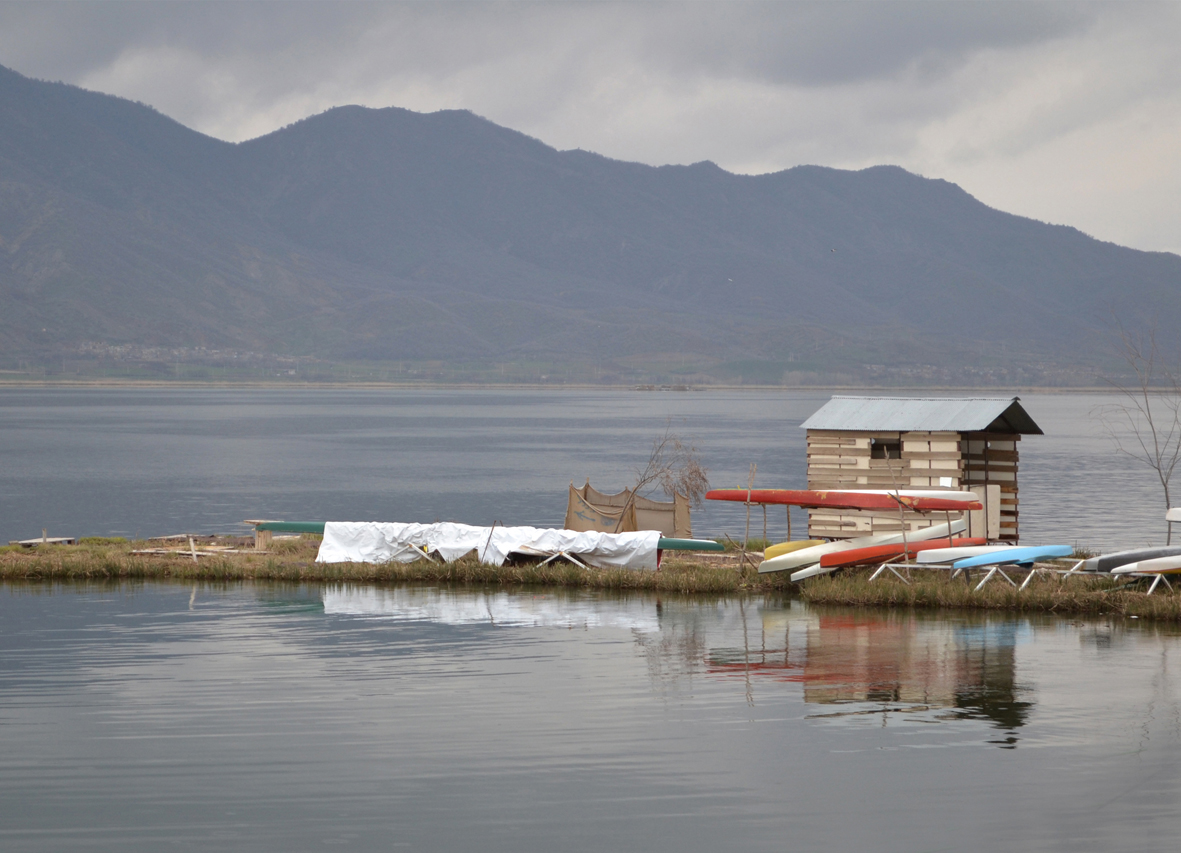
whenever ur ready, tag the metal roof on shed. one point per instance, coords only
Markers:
(924, 414)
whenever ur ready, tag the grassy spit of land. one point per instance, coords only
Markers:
(293, 560)
(936, 589)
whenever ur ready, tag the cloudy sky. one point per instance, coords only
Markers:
(1066, 112)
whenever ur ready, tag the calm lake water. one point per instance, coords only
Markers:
(148, 462)
(278, 718)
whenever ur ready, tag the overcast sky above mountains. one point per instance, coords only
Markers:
(1069, 113)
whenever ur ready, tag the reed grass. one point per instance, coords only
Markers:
(931, 589)
(752, 545)
(294, 561)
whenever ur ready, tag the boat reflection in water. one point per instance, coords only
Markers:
(895, 663)
(861, 664)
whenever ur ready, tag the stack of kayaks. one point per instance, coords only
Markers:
(1158, 566)
(787, 547)
(947, 556)
(806, 561)
(1022, 556)
(875, 554)
(1109, 563)
(992, 555)
(1142, 562)
(1158, 561)
(1156, 569)
(813, 557)
(960, 553)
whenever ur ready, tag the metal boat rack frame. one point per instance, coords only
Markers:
(990, 573)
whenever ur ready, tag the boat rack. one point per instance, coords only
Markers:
(992, 571)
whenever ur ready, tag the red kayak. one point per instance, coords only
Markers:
(842, 500)
(884, 553)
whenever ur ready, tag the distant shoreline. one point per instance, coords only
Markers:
(545, 386)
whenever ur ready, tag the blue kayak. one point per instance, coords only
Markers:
(1017, 554)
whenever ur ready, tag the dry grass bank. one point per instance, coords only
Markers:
(294, 560)
(931, 589)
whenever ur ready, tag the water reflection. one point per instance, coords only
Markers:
(266, 718)
(863, 663)
(895, 662)
(506, 609)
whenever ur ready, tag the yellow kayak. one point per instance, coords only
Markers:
(788, 547)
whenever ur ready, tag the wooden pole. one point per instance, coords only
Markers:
(490, 531)
(750, 484)
(901, 509)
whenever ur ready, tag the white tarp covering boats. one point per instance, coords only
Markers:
(383, 542)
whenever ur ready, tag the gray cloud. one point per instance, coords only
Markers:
(814, 43)
(1069, 112)
(818, 44)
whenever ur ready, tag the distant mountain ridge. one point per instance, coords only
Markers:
(388, 235)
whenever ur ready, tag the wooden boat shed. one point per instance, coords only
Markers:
(967, 443)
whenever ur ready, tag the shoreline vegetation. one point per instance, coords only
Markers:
(293, 560)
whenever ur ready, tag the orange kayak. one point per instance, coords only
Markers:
(885, 553)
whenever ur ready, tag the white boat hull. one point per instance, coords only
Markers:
(950, 555)
(1159, 566)
(810, 557)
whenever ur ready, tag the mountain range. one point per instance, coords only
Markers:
(384, 236)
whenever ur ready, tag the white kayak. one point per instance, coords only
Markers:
(910, 493)
(813, 571)
(1158, 566)
(1110, 562)
(950, 555)
(811, 556)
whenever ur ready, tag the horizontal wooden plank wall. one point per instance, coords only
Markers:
(842, 460)
(929, 460)
(991, 457)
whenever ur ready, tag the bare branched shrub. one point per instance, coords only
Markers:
(1145, 423)
(674, 465)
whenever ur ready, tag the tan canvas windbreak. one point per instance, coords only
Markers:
(589, 509)
(581, 515)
